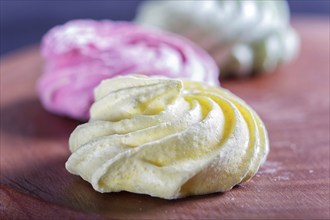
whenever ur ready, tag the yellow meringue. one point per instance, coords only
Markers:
(167, 138)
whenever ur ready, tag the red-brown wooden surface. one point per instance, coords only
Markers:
(294, 182)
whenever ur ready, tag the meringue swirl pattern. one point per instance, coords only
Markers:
(167, 138)
(82, 53)
(244, 37)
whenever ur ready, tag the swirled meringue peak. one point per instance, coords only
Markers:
(81, 53)
(244, 37)
(167, 138)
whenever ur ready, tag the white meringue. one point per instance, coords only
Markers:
(244, 37)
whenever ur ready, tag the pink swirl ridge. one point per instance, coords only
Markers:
(81, 53)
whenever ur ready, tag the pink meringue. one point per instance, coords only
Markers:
(81, 53)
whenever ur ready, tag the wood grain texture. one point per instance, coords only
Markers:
(292, 184)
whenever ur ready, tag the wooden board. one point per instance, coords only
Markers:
(294, 182)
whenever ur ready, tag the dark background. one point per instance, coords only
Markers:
(24, 22)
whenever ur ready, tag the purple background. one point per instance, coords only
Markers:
(24, 22)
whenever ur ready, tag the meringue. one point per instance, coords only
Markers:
(244, 37)
(167, 138)
(81, 53)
